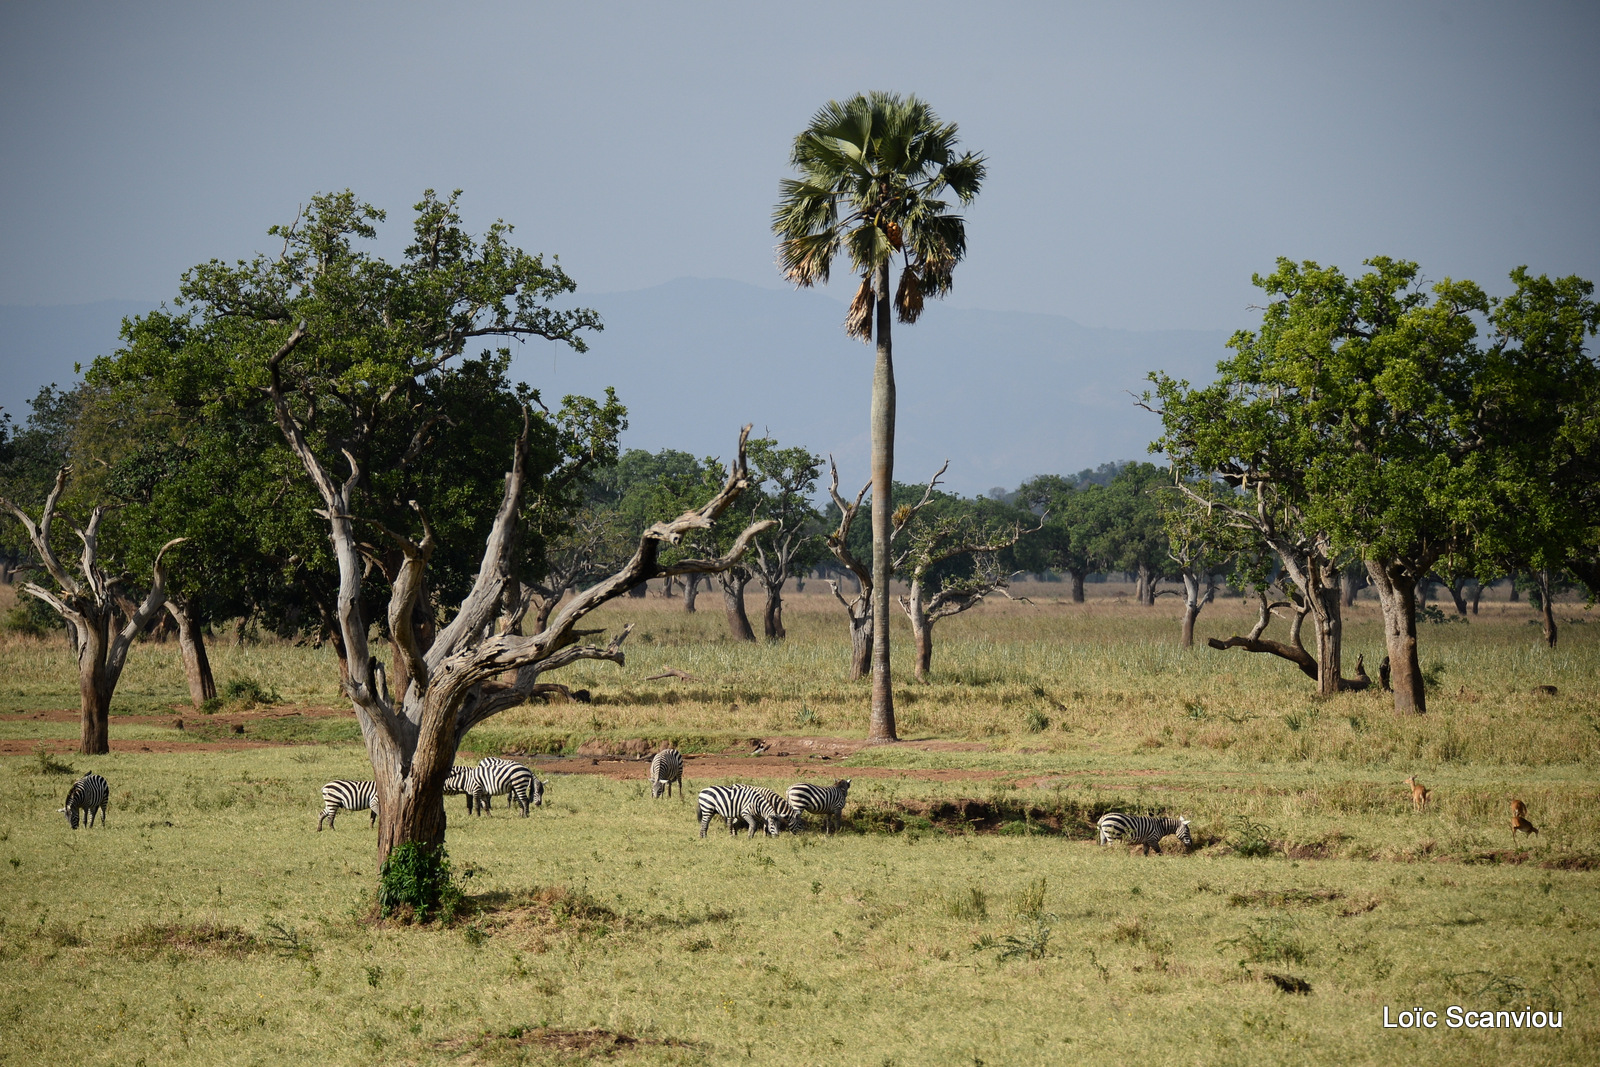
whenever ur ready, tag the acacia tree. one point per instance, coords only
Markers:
(94, 606)
(792, 475)
(1199, 547)
(1072, 519)
(1129, 535)
(873, 171)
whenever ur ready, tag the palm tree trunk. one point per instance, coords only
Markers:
(881, 727)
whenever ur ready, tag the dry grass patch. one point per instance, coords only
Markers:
(593, 1043)
(186, 939)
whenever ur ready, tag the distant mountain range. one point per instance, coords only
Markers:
(1002, 395)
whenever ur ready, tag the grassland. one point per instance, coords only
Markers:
(210, 923)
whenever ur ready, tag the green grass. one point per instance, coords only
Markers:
(210, 922)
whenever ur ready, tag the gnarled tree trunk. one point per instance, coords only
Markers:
(772, 612)
(691, 589)
(1397, 595)
(192, 646)
(733, 603)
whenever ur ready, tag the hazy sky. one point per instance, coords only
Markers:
(1144, 158)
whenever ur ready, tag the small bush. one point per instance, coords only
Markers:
(1036, 721)
(1251, 839)
(32, 617)
(415, 881)
(46, 763)
(248, 692)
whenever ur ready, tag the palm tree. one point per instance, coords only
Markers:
(872, 173)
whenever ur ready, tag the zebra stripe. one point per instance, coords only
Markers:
(827, 800)
(1143, 830)
(349, 796)
(666, 768)
(520, 785)
(747, 804)
(462, 781)
(88, 794)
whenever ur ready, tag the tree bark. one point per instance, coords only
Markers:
(691, 589)
(861, 642)
(415, 797)
(192, 646)
(1076, 580)
(733, 604)
(921, 629)
(94, 694)
(880, 727)
(1397, 595)
(1192, 603)
(1547, 610)
(1146, 586)
(772, 613)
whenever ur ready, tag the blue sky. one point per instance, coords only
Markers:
(1144, 158)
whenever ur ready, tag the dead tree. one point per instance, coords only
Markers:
(938, 542)
(467, 673)
(99, 621)
(571, 558)
(1293, 650)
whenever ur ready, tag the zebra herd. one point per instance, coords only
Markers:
(751, 805)
(490, 778)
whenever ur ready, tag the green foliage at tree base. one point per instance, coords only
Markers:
(415, 883)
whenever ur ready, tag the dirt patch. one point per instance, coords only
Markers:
(1573, 863)
(182, 711)
(771, 765)
(586, 1043)
(26, 747)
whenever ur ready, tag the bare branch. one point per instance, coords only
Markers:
(40, 534)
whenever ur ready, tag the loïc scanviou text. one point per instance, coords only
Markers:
(1455, 1017)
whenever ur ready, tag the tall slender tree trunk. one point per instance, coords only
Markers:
(192, 646)
(1077, 585)
(733, 605)
(1397, 595)
(1477, 594)
(772, 613)
(880, 728)
(691, 589)
(94, 688)
(1547, 610)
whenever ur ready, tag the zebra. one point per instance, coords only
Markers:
(747, 804)
(520, 785)
(462, 780)
(1143, 830)
(666, 768)
(88, 794)
(351, 796)
(827, 800)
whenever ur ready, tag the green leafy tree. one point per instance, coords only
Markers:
(1128, 533)
(874, 172)
(364, 362)
(788, 481)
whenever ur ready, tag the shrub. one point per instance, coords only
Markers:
(1251, 839)
(1036, 721)
(249, 692)
(415, 879)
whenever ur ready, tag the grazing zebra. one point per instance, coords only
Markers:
(747, 804)
(666, 768)
(88, 794)
(1143, 830)
(827, 800)
(462, 780)
(351, 796)
(520, 785)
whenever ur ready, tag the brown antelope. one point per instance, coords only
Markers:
(1419, 793)
(1519, 821)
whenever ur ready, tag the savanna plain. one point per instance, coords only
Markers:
(964, 915)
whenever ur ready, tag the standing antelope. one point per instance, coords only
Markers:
(1419, 793)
